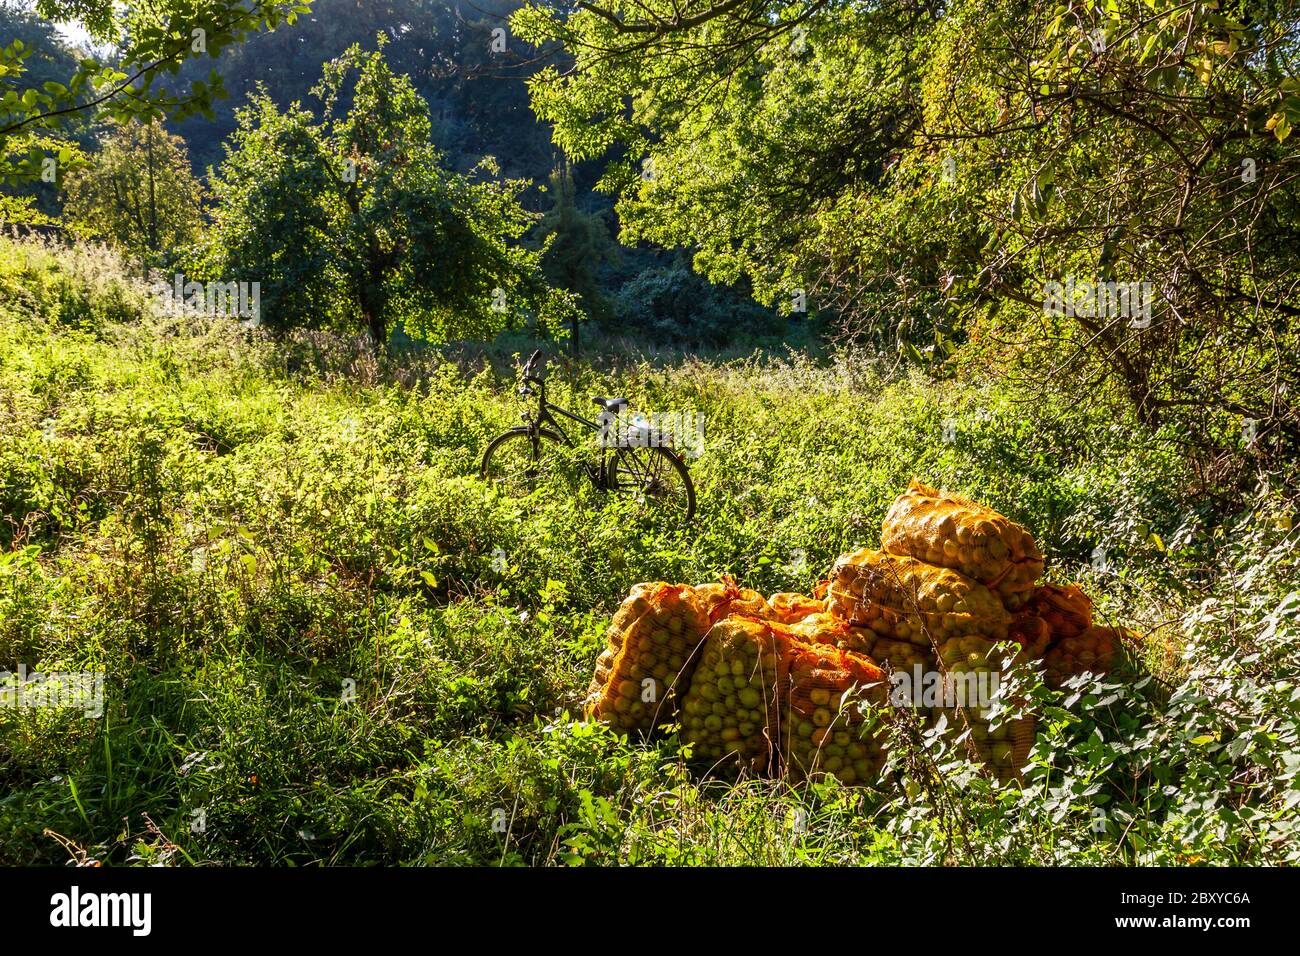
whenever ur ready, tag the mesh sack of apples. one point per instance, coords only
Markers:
(791, 608)
(1064, 608)
(1097, 650)
(906, 599)
(829, 727)
(731, 713)
(953, 579)
(651, 647)
(768, 697)
(1004, 748)
(887, 652)
(897, 655)
(950, 531)
(648, 655)
(972, 668)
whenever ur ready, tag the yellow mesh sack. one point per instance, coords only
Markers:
(1028, 636)
(722, 599)
(731, 713)
(790, 608)
(828, 628)
(882, 651)
(953, 532)
(1004, 749)
(975, 665)
(966, 660)
(1099, 650)
(901, 655)
(822, 628)
(1032, 634)
(648, 658)
(898, 655)
(826, 730)
(971, 667)
(1065, 608)
(906, 599)
(651, 650)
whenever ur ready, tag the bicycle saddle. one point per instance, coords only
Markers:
(610, 404)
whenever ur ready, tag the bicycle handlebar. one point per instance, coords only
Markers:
(528, 366)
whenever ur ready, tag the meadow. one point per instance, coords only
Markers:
(326, 641)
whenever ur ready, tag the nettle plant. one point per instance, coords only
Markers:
(1202, 765)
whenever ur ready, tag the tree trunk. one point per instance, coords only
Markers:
(378, 334)
(154, 244)
(372, 296)
(372, 313)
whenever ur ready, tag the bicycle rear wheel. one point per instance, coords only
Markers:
(654, 477)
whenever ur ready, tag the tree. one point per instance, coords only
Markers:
(48, 58)
(151, 39)
(925, 171)
(137, 193)
(355, 219)
(673, 305)
(472, 78)
(578, 245)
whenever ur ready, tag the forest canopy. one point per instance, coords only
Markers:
(1101, 197)
(926, 170)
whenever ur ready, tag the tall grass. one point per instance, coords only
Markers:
(278, 553)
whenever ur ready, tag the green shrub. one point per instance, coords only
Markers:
(82, 286)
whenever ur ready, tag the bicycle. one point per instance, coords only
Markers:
(640, 463)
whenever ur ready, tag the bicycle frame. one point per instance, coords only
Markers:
(544, 418)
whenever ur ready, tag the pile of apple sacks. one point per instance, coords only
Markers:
(801, 685)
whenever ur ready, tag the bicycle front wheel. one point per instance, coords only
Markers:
(519, 460)
(656, 478)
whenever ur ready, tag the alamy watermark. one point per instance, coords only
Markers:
(71, 690)
(929, 688)
(236, 300)
(1098, 299)
(679, 431)
(75, 909)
